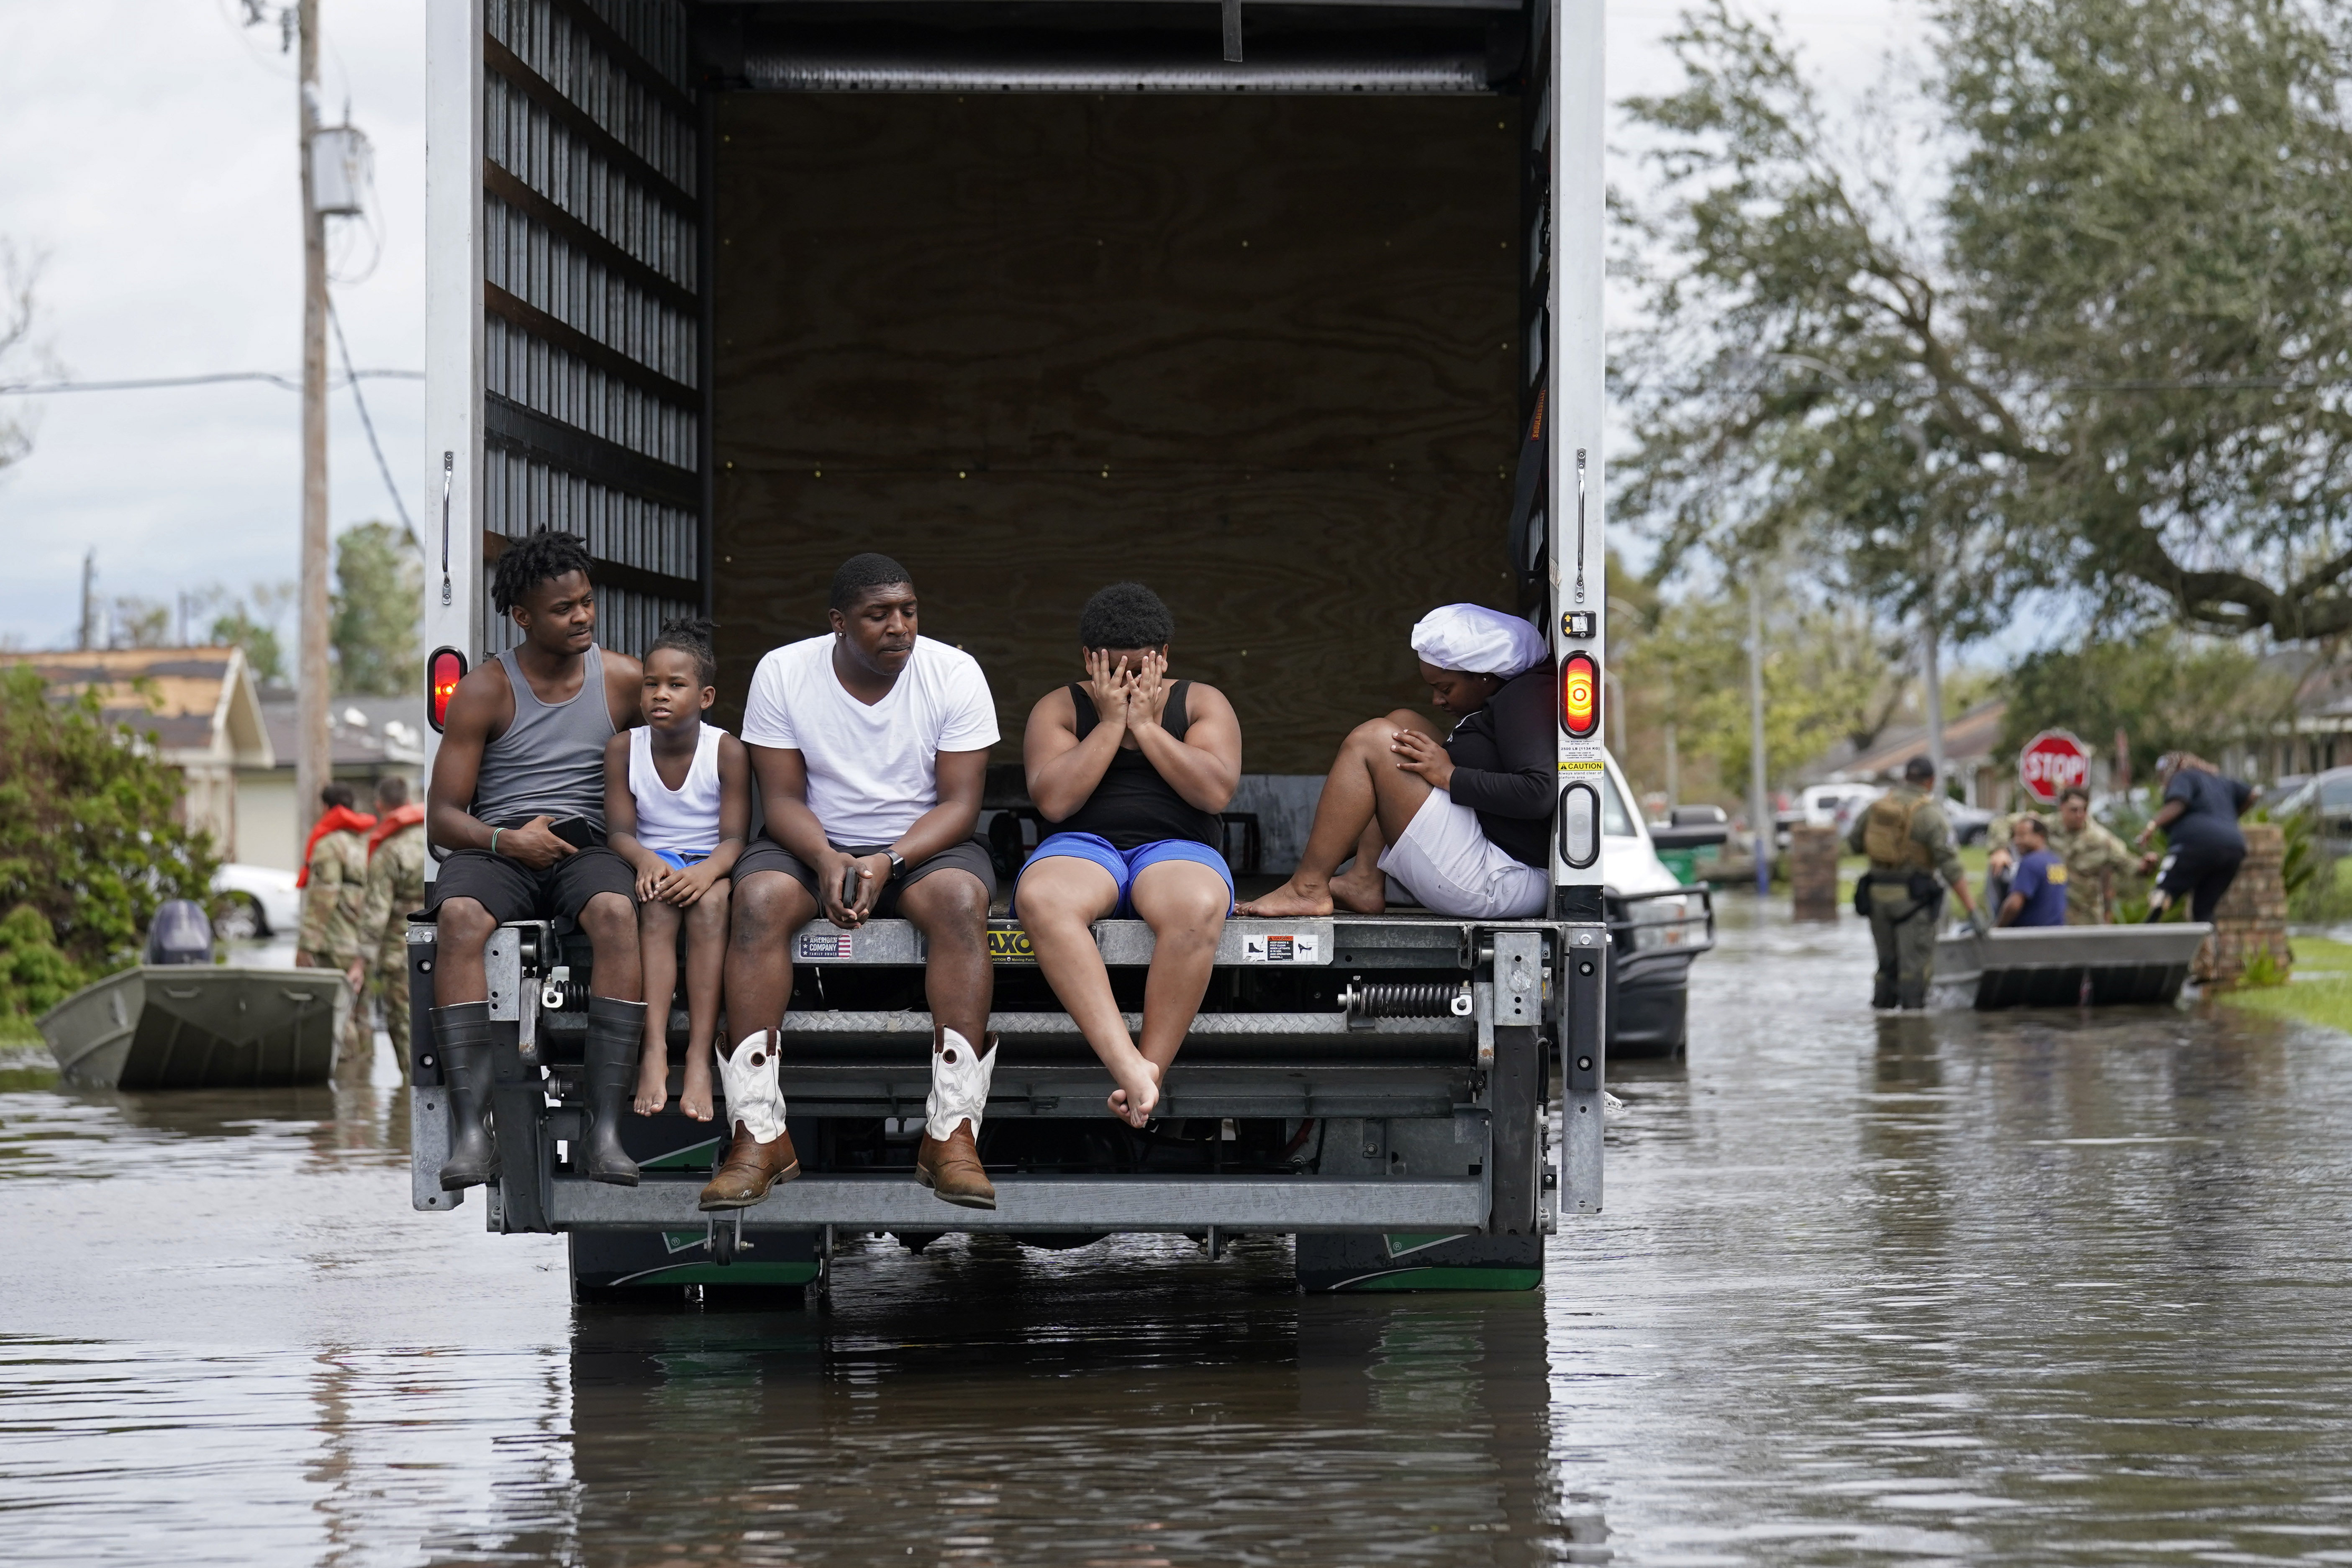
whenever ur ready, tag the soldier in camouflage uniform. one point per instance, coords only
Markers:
(395, 885)
(333, 883)
(1909, 843)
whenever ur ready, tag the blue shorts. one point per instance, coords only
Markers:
(679, 860)
(1125, 865)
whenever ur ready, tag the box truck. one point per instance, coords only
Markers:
(1292, 311)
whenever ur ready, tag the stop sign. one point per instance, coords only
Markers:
(2052, 763)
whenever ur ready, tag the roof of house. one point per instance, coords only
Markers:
(376, 735)
(200, 704)
(1968, 740)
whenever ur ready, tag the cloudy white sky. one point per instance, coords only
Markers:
(151, 162)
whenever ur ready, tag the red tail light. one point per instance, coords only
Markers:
(442, 673)
(1580, 696)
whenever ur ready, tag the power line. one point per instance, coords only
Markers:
(335, 320)
(286, 383)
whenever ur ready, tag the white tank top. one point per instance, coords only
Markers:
(684, 821)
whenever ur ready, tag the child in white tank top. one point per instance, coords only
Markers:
(678, 805)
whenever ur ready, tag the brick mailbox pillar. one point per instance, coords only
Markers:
(1813, 872)
(2251, 918)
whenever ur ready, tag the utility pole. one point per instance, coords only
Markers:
(1762, 829)
(89, 597)
(1930, 658)
(313, 761)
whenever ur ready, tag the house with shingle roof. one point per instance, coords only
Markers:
(200, 705)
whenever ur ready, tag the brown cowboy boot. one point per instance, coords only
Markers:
(950, 1164)
(755, 1104)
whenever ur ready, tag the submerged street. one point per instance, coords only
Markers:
(2032, 1287)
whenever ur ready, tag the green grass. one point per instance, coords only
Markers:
(2320, 993)
(17, 1030)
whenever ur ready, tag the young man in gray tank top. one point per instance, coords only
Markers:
(517, 789)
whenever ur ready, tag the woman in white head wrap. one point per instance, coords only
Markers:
(1462, 822)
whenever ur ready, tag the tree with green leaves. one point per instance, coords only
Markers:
(2113, 358)
(2164, 691)
(378, 605)
(89, 830)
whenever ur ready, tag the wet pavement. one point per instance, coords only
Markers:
(2048, 1287)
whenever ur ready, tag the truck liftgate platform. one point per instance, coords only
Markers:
(1381, 1087)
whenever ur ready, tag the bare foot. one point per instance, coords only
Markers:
(653, 1078)
(694, 1094)
(1133, 1100)
(1365, 892)
(1289, 899)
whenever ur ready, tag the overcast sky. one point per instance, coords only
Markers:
(151, 161)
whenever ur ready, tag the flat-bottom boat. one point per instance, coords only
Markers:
(178, 1025)
(2065, 966)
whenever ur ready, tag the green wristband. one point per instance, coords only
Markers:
(494, 839)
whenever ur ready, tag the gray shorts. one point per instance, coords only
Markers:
(764, 854)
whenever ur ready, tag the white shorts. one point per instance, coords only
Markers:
(1446, 861)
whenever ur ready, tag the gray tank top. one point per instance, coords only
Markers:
(551, 760)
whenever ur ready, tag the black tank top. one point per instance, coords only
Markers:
(1133, 805)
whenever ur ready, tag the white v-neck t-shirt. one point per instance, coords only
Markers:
(871, 771)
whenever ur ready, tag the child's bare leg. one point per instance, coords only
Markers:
(706, 961)
(1184, 904)
(658, 955)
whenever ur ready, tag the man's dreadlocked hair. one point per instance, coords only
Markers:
(541, 558)
(690, 635)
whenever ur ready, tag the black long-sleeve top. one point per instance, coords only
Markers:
(1505, 762)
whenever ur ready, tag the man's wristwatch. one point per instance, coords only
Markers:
(897, 864)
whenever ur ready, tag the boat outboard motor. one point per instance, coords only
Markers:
(181, 934)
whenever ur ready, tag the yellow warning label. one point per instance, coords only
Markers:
(1580, 766)
(1010, 945)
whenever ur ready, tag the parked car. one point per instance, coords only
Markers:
(1826, 805)
(255, 902)
(2328, 797)
(1657, 924)
(1969, 822)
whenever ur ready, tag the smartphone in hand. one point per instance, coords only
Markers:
(574, 831)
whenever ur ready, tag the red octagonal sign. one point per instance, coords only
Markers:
(2052, 763)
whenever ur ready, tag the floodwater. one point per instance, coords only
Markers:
(2058, 1287)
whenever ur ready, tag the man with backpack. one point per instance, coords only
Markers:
(1912, 862)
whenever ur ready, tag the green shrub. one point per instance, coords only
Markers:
(33, 975)
(2263, 971)
(89, 829)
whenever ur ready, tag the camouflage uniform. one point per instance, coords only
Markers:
(395, 885)
(331, 899)
(1904, 921)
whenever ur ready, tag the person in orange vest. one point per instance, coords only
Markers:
(332, 879)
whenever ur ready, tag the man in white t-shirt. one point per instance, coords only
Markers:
(870, 745)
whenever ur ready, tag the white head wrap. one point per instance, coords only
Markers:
(1477, 641)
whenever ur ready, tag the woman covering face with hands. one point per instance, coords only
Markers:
(1461, 824)
(1132, 769)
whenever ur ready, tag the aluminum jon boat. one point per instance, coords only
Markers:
(174, 1025)
(2065, 966)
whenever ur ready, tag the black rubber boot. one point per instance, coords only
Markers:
(462, 1034)
(616, 1029)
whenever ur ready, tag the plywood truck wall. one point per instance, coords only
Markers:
(1260, 352)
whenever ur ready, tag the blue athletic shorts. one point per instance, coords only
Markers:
(681, 861)
(1125, 865)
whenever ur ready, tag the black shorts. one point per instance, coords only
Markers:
(764, 854)
(511, 890)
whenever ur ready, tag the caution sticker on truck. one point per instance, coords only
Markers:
(1307, 947)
